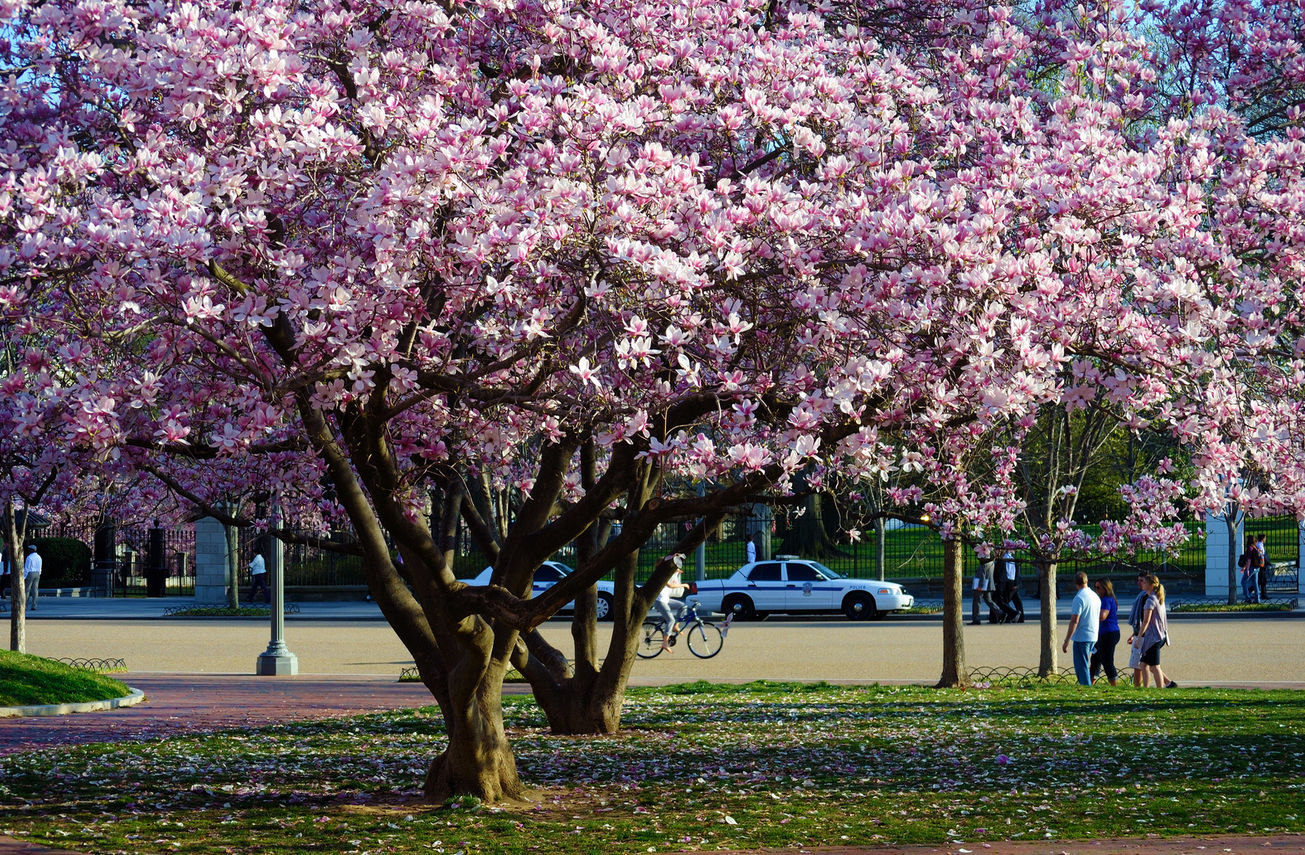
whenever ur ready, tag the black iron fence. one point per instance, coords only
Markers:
(141, 553)
(142, 558)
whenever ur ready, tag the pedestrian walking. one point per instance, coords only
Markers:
(1154, 634)
(1262, 580)
(32, 575)
(1135, 624)
(1249, 566)
(1012, 604)
(982, 590)
(1103, 658)
(258, 578)
(1084, 623)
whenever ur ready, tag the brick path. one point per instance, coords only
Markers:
(190, 703)
(187, 703)
(1280, 844)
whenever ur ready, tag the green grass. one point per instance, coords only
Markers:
(221, 611)
(29, 680)
(1281, 606)
(702, 767)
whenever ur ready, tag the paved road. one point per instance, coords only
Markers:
(1223, 651)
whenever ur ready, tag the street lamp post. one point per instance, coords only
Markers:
(277, 660)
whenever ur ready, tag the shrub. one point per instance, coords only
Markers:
(65, 562)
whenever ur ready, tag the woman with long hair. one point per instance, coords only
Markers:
(1103, 658)
(1153, 635)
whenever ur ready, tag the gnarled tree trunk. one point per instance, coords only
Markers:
(478, 760)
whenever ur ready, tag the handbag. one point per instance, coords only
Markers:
(1134, 656)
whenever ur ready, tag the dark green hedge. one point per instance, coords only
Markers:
(65, 562)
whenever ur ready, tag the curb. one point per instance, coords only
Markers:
(134, 698)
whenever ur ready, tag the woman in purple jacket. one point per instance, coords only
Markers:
(1108, 633)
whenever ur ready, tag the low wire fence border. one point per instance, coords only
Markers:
(1023, 678)
(101, 666)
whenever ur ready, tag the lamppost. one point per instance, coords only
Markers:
(277, 660)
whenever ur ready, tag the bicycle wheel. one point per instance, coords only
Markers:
(704, 638)
(650, 639)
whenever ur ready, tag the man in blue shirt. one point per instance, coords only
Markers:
(1084, 622)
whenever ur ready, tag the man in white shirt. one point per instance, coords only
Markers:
(1084, 623)
(32, 575)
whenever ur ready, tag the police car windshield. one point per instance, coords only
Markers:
(828, 574)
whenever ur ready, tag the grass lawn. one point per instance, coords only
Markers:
(699, 768)
(29, 680)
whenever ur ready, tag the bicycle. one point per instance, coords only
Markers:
(704, 637)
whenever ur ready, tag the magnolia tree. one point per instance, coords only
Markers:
(579, 252)
(42, 467)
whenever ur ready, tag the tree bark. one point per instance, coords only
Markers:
(1049, 663)
(587, 702)
(590, 698)
(233, 573)
(808, 536)
(14, 536)
(954, 671)
(478, 759)
(881, 543)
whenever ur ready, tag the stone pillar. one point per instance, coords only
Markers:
(210, 563)
(1216, 554)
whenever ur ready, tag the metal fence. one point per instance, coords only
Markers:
(915, 552)
(133, 550)
(902, 552)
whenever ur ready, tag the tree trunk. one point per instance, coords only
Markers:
(586, 705)
(17, 611)
(954, 672)
(1230, 522)
(590, 698)
(881, 543)
(233, 559)
(1048, 664)
(808, 536)
(17, 584)
(478, 760)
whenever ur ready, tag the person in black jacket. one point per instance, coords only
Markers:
(1008, 588)
(982, 591)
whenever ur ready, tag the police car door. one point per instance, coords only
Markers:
(766, 586)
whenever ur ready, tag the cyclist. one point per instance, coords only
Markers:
(670, 609)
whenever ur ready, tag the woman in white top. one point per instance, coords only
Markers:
(1153, 634)
(669, 608)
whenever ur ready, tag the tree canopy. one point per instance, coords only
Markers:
(588, 250)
